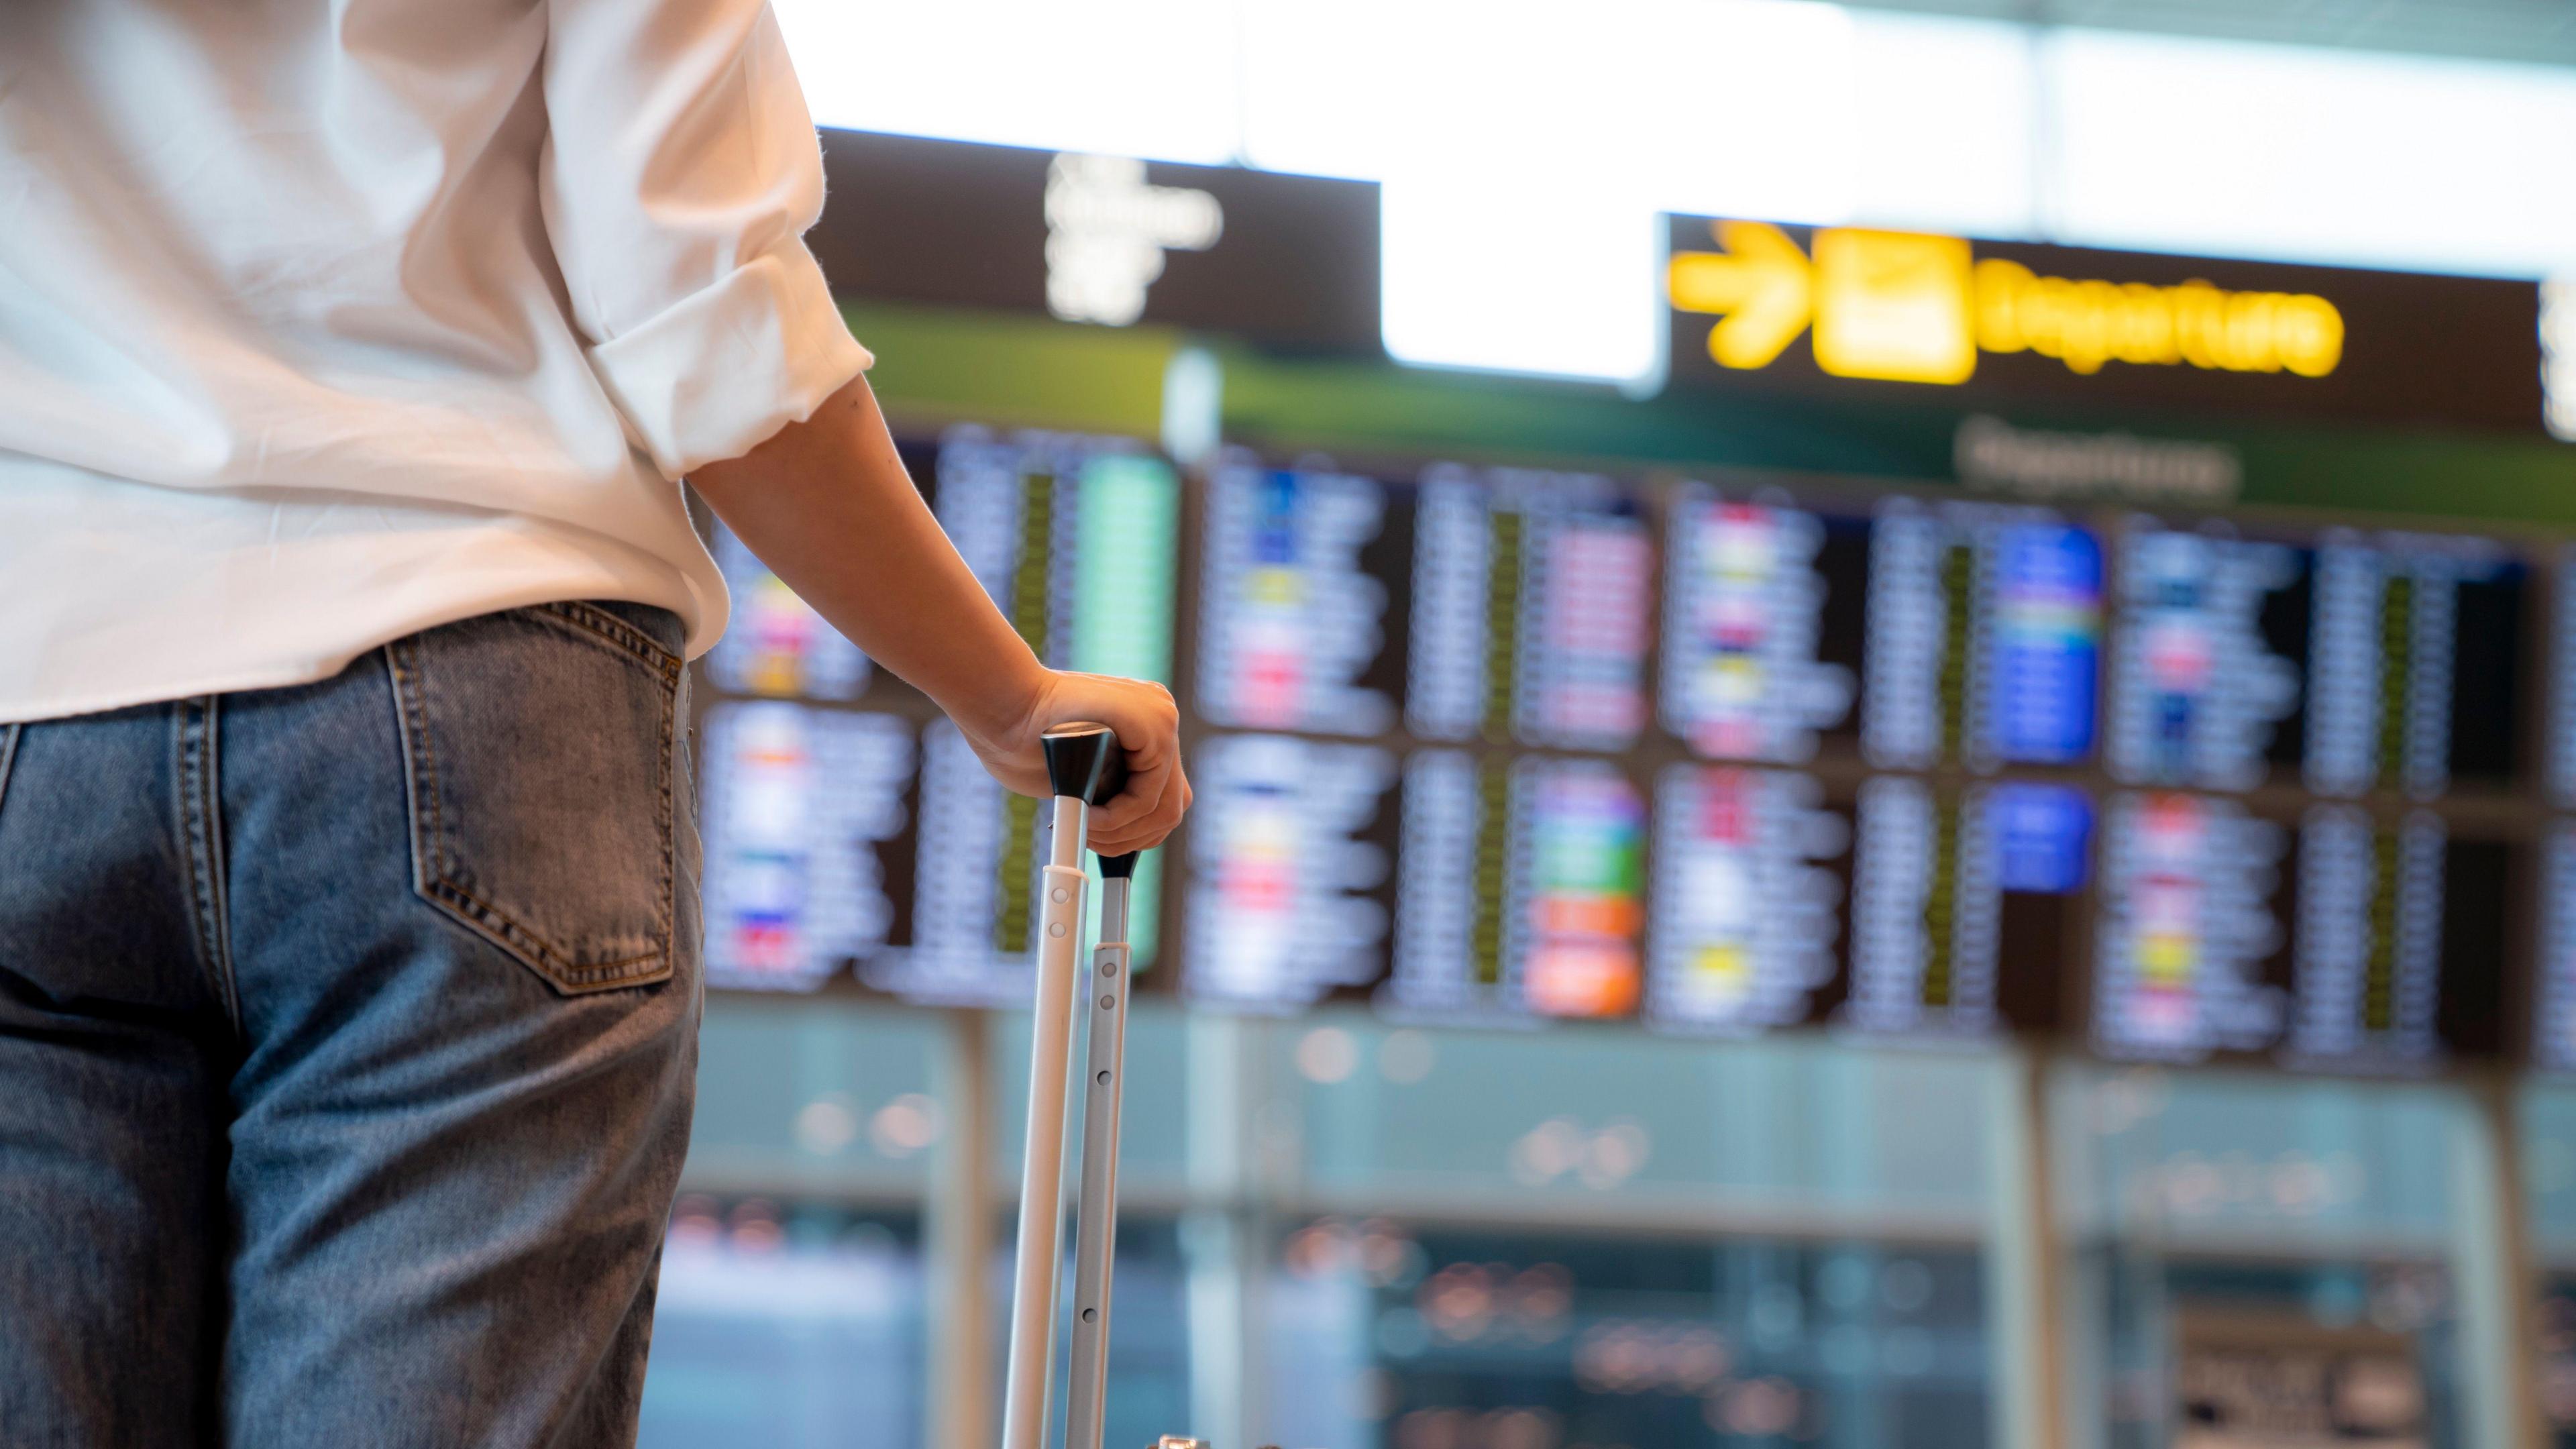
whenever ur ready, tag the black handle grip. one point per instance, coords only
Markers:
(1118, 867)
(1083, 760)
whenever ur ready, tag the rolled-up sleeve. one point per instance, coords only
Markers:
(680, 173)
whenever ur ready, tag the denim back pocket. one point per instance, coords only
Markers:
(537, 750)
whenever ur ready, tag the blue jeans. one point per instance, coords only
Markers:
(346, 1043)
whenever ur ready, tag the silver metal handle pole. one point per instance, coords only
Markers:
(1096, 1224)
(1024, 1400)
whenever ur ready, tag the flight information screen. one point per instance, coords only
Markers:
(1511, 746)
(2559, 749)
(1746, 902)
(800, 804)
(1984, 637)
(1962, 904)
(1532, 597)
(1074, 540)
(849, 829)
(1304, 577)
(2202, 694)
(2351, 664)
(1748, 670)
(1292, 868)
(1522, 892)
(2342, 938)
(2554, 1010)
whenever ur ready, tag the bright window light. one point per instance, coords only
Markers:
(1526, 148)
(1526, 145)
(1520, 272)
(1144, 78)
(1745, 108)
(1944, 111)
(2332, 156)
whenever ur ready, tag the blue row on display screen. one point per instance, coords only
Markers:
(1504, 746)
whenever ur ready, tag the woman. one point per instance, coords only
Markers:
(351, 356)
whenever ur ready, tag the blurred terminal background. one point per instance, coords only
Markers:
(1884, 708)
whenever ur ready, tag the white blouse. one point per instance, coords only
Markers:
(324, 321)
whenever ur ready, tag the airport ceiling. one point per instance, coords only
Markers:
(2542, 31)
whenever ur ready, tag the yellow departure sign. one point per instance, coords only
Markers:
(1913, 307)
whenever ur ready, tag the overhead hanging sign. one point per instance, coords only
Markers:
(1105, 240)
(1843, 311)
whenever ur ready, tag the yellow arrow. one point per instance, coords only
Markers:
(1761, 283)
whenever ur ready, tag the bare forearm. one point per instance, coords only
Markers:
(827, 505)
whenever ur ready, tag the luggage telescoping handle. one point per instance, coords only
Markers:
(1104, 1080)
(1085, 767)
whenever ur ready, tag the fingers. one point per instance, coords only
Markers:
(1145, 815)
(1148, 810)
(1158, 791)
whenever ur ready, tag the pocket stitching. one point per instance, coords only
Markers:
(430, 869)
(9, 734)
(612, 630)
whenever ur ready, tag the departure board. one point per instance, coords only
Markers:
(2354, 666)
(2388, 703)
(1522, 890)
(1946, 876)
(799, 802)
(2345, 940)
(2367, 941)
(1745, 673)
(1293, 870)
(2186, 924)
(1746, 911)
(1531, 609)
(1075, 539)
(1496, 746)
(2552, 1034)
(2560, 745)
(2199, 688)
(2553, 1043)
(1984, 637)
(1300, 566)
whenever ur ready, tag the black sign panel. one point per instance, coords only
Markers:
(1284, 259)
(1867, 315)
